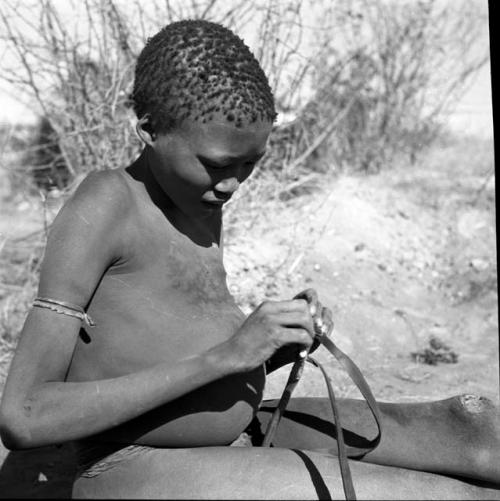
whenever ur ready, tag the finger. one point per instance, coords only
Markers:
(311, 296)
(277, 307)
(292, 305)
(295, 335)
(295, 319)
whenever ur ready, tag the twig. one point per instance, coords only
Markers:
(483, 186)
(321, 138)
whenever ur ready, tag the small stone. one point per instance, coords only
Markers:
(42, 477)
(479, 264)
(317, 267)
(23, 206)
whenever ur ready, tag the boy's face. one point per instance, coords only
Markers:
(200, 165)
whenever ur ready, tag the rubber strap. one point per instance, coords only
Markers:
(355, 374)
(345, 471)
(293, 379)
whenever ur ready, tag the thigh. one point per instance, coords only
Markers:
(457, 436)
(263, 473)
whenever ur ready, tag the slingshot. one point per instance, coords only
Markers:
(355, 374)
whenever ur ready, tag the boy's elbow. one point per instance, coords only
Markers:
(13, 435)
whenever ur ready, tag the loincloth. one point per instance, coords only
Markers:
(94, 458)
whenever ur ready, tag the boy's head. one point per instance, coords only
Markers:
(196, 70)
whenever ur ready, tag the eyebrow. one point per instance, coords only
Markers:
(228, 159)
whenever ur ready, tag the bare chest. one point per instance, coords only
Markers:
(167, 300)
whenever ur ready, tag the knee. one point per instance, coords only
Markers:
(476, 418)
(473, 409)
(474, 404)
(482, 417)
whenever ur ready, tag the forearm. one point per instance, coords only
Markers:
(56, 412)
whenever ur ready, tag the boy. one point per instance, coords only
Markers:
(166, 371)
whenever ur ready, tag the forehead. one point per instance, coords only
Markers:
(220, 138)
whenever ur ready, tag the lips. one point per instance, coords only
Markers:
(211, 206)
(216, 201)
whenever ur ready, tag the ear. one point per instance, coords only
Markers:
(144, 130)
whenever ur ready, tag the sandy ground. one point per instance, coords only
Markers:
(399, 258)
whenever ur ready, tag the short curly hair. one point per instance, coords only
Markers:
(195, 68)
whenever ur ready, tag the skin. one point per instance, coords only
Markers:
(172, 362)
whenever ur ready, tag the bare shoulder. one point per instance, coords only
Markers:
(102, 202)
(87, 236)
(104, 192)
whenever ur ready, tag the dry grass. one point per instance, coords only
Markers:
(19, 265)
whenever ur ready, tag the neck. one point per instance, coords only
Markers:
(201, 231)
(140, 170)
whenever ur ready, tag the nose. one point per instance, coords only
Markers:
(227, 185)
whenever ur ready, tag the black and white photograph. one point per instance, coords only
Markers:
(248, 250)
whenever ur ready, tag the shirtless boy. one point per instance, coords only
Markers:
(172, 372)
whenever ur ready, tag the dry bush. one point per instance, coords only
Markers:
(79, 75)
(394, 69)
(363, 79)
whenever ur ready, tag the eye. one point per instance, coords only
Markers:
(210, 165)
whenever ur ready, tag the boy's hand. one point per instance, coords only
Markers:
(322, 316)
(271, 326)
(322, 324)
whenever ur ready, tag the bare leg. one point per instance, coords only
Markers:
(456, 436)
(264, 473)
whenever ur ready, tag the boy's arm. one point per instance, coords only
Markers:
(38, 407)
